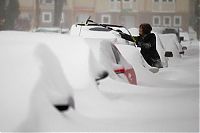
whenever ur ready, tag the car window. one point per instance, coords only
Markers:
(116, 54)
(99, 29)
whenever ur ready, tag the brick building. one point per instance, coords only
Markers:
(130, 13)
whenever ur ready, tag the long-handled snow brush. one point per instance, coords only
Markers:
(109, 28)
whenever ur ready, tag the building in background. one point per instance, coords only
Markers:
(195, 16)
(130, 13)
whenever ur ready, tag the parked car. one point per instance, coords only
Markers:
(103, 41)
(185, 40)
(171, 44)
(97, 31)
(105, 32)
(111, 58)
(175, 31)
(43, 71)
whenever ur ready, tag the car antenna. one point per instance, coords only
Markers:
(86, 22)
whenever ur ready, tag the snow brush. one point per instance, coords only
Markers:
(107, 27)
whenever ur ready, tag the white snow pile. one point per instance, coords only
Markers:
(39, 71)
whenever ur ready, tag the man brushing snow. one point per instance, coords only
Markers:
(147, 41)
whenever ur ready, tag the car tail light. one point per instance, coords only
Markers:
(130, 74)
(120, 70)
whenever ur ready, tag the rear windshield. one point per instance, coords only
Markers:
(99, 29)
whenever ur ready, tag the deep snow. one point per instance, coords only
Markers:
(40, 70)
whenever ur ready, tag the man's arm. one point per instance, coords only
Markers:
(127, 37)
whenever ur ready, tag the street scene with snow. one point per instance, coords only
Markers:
(94, 76)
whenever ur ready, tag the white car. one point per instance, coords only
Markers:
(173, 34)
(107, 32)
(97, 31)
(171, 43)
(108, 55)
(100, 38)
(185, 40)
(40, 71)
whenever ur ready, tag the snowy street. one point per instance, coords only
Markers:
(41, 70)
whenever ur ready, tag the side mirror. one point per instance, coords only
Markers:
(102, 75)
(184, 48)
(168, 54)
(65, 106)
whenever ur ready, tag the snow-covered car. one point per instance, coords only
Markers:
(100, 31)
(185, 40)
(40, 71)
(171, 43)
(107, 32)
(103, 40)
(111, 58)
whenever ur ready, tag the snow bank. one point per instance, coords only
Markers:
(19, 73)
(33, 78)
(36, 73)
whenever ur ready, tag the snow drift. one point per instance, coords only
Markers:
(39, 71)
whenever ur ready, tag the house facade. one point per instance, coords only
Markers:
(41, 14)
(130, 13)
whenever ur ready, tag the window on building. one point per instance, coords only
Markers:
(115, 5)
(156, 20)
(156, 1)
(177, 21)
(115, 0)
(167, 21)
(105, 19)
(171, 1)
(165, 1)
(46, 17)
(46, 1)
(128, 4)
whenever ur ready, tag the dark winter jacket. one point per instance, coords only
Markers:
(148, 47)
